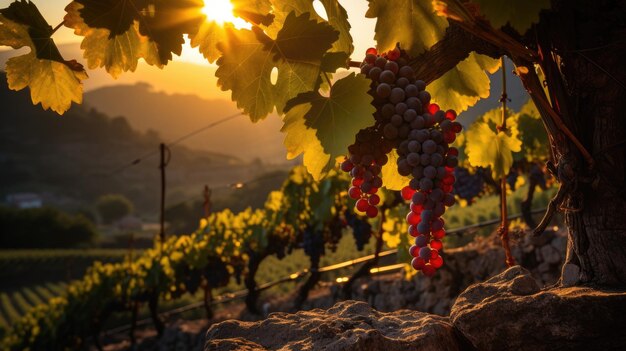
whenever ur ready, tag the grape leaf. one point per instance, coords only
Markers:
(338, 117)
(332, 61)
(117, 53)
(392, 180)
(412, 23)
(486, 147)
(248, 58)
(167, 21)
(207, 37)
(300, 139)
(535, 143)
(117, 16)
(337, 18)
(519, 14)
(465, 84)
(53, 82)
(163, 21)
(254, 11)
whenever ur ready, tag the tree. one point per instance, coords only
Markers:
(567, 53)
(44, 228)
(112, 207)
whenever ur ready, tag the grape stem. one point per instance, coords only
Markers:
(503, 231)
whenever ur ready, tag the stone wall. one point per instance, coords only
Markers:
(473, 263)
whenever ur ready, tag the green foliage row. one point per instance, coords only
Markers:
(218, 250)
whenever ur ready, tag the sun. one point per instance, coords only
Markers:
(221, 11)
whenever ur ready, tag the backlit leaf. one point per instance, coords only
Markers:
(486, 147)
(53, 82)
(412, 23)
(207, 37)
(300, 139)
(248, 57)
(117, 53)
(392, 180)
(338, 117)
(337, 18)
(464, 85)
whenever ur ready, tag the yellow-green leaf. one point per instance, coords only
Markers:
(118, 53)
(248, 58)
(337, 18)
(207, 37)
(53, 82)
(412, 23)
(338, 117)
(392, 180)
(486, 147)
(300, 139)
(465, 84)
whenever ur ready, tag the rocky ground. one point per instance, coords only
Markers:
(490, 314)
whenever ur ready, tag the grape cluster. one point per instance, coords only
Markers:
(313, 244)
(366, 158)
(406, 120)
(333, 232)
(511, 178)
(361, 230)
(468, 185)
(538, 177)
(425, 156)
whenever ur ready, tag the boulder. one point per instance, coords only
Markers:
(510, 312)
(348, 326)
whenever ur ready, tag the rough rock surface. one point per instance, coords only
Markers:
(348, 326)
(483, 258)
(510, 312)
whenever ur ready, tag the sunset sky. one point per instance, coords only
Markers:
(362, 32)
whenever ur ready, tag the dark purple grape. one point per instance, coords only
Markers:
(397, 95)
(411, 90)
(400, 108)
(426, 184)
(430, 172)
(375, 73)
(387, 77)
(429, 146)
(383, 90)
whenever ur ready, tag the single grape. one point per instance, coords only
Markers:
(411, 90)
(388, 110)
(400, 108)
(436, 244)
(397, 95)
(375, 73)
(354, 192)
(402, 82)
(424, 253)
(392, 66)
(380, 62)
(429, 146)
(372, 211)
(413, 159)
(397, 121)
(421, 240)
(383, 90)
(418, 198)
(418, 263)
(387, 77)
(362, 205)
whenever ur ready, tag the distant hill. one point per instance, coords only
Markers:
(173, 115)
(77, 157)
